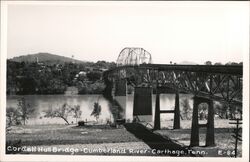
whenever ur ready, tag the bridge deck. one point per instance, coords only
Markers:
(219, 69)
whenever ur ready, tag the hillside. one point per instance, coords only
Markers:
(44, 57)
(187, 63)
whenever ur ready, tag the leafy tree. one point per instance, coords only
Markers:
(13, 116)
(186, 114)
(208, 63)
(221, 110)
(96, 111)
(95, 88)
(24, 109)
(218, 63)
(225, 111)
(94, 75)
(76, 112)
(62, 112)
(203, 111)
(56, 86)
(27, 84)
(232, 63)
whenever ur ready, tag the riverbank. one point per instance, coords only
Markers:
(223, 137)
(128, 139)
(72, 139)
(58, 134)
(88, 140)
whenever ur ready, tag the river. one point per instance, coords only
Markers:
(43, 102)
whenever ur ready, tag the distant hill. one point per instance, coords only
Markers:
(45, 57)
(187, 63)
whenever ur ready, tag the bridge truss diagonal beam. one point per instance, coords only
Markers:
(221, 83)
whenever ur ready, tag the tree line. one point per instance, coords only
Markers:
(41, 78)
(219, 63)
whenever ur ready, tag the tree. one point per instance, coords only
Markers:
(97, 87)
(61, 112)
(76, 112)
(203, 111)
(186, 109)
(96, 111)
(13, 117)
(221, 110)
(94, 75)
(218, 63)
(232, 63)
(28, 85)
(24, 109)
(56, 86)
(208, 63)
(225, 111)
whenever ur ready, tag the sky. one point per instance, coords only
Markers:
(170, 31)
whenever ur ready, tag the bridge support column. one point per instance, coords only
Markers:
(157, 120)
(195, 122)
(109, 88)
(177, 112)
(120, 98)
(210, 124)
(121, 88)
(142, 108)
(158, 111)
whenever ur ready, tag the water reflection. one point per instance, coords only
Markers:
(86, 102)
(44, 102)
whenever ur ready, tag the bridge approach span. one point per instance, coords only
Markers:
(218, 82)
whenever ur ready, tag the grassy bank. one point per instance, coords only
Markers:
(223, 137)
(130, 136)
(90, 140)
(63, 135)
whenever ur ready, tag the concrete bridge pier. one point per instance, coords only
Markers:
(142, 108)
(157, 120)
(195, 122)
(109, 88)
(158, 111)
(177, 111)
(121, 88)
(120, 93)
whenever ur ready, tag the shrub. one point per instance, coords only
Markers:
(81, 123)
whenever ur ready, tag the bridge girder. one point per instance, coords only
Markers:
(221, 83)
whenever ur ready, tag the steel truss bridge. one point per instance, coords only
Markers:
(207, 83)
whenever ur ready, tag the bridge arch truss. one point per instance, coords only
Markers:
(133, 56)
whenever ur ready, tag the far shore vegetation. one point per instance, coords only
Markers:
(28, 78)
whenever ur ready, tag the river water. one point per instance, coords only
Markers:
(86, 102)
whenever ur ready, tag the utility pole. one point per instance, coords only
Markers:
(236, 134)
